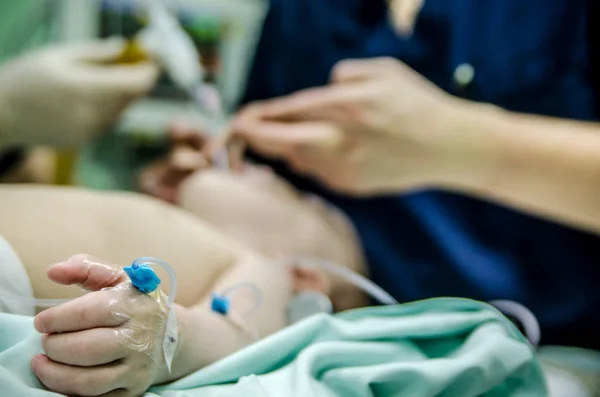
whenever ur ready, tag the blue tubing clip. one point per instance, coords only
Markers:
(143, 277)
(220, 304)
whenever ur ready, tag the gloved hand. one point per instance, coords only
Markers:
(64, 95)
(108, 342)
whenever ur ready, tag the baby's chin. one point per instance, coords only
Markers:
(259, 178)
(268, 182)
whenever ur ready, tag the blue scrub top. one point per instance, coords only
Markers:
(529, 56)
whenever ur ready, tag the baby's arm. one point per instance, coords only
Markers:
(124, 323)
(45, 225)
(207, 336)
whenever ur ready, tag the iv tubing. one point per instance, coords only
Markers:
(231, 291)
(139, 261)
(372, 289)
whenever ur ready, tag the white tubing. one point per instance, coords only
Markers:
(530, 324)
(146, 260)
(372, 289)
(230, 292)
(55, 302)
(207, 100)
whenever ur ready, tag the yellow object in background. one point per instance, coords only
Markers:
(132, 53)
(66, 161)
(65, 167)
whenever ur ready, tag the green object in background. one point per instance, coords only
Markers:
(24, 25)
(205, 31)
(115, 161)
(439, 347)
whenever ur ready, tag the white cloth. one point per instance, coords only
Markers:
(14, 283)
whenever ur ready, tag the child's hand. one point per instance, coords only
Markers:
(163, 178)
(190, 151)
(108, 342)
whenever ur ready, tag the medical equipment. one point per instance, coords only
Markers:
(307, 304)
(145, 280)
(223, 298)
(303, 305)
(166, 41)
(528, 322)
(225, 32)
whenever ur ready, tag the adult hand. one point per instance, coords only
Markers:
(379, 127)
(108, 342)
(65, 95)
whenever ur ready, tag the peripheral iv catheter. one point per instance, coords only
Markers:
(303, 305)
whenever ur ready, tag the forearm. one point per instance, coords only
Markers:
(543, 166)
(207, 337)
(48, 224)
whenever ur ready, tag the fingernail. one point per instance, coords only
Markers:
(39, 325)
(55, 267)
(35, 360)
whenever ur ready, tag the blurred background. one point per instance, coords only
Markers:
(224, 32)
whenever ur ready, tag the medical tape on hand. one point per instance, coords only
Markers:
(145, 280)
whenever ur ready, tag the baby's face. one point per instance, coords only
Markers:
(263, 210)
(256, 207)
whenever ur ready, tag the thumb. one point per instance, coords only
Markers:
(134, 79)
(87, 272)
(97, 51)
(99, 61)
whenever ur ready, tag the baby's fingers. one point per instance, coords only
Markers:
(94, 310)
(80, 381)
(87, 272)
(87, 348)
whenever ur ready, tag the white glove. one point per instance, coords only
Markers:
(63, 96)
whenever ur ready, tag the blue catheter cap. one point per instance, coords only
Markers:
(220, 304)
(143, 277)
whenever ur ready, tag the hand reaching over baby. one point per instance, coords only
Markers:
(252, 204)
(107, 342)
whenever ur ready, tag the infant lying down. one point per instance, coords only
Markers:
(109, 341)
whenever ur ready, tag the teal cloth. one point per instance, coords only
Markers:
(440, 347)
